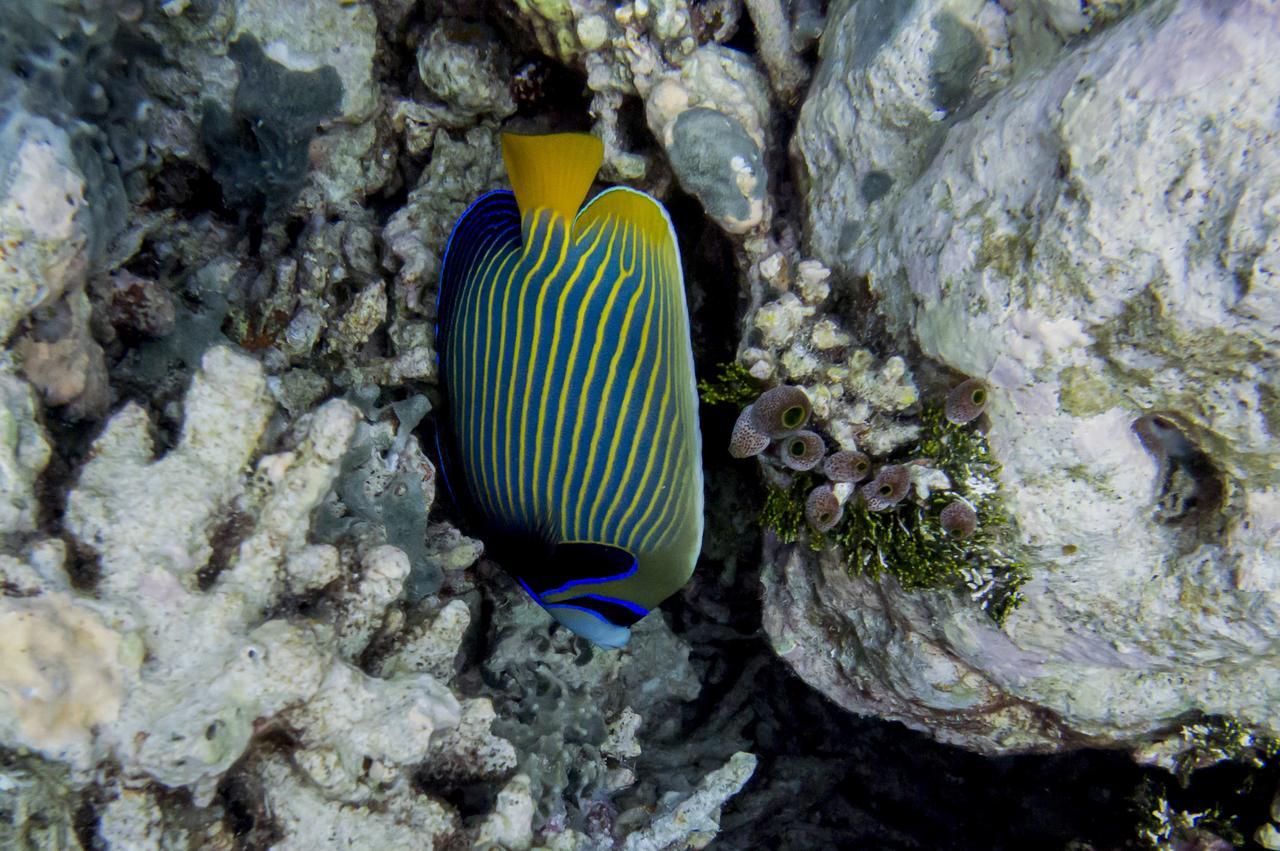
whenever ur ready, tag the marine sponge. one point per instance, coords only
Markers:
(891, 484)
(802, 450)
(716, 160)
(823, 509)
(259, 149)
(846, 466)
(967, 400)
(782, 410)
(748, 438)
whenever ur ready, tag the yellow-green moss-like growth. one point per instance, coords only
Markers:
(908, 541)
(1160, 823)
(783, 510)
(1219, 738)
(1169, 814)
(733, 385)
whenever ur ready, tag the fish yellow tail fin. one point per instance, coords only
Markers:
(554, 172)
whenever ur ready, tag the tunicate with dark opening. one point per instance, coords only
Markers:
(801, 450)
(958, 519)
(888, 488)
(781, 410)
(846, 466)
(823, 509)
(967, 401)
(748, 438)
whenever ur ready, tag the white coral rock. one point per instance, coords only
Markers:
(1098, 241)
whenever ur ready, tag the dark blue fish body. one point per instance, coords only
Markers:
(571, 422)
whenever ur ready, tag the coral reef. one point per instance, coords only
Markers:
(190, 552)
(229, 613)
(707, 104)
(128, 687)
(234, 612)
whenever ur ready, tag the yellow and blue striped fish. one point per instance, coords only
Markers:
(571, 426)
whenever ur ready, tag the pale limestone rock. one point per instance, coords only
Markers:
(44, 248)
(385, 568)
(133, 820)
(470, 749)
(122, 491)
(1098, 241)
(62, 360)
(510, 825)
(431, 647)
(356, 725)
(621, 743)
(308, 819)
(62, 674)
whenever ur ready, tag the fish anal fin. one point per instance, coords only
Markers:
(553, 171)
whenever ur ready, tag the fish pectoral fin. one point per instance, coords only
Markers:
(638, 209)
(552, 172)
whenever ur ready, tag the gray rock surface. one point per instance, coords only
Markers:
(24, 452)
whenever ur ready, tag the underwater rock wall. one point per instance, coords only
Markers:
(1077, 207)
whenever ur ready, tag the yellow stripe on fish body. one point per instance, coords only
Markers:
(571, 420)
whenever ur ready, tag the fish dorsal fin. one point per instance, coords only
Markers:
(637, 209)
(553, 172)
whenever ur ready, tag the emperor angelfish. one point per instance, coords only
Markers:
(570, 431)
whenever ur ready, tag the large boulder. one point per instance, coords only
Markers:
(1095, 230)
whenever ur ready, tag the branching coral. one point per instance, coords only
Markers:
(177, 661)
